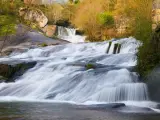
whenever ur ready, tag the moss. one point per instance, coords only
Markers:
(89, 66)
(44, 45)
(2, 78)
(54, 37)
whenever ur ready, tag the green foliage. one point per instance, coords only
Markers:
(6, 19)
(9, 16)
(106, 19)
(44, 45)
(7, 25)
(7, 29)
(142, 29)
(89, 66)
(76, 1)
(10, 6)
(149, 54)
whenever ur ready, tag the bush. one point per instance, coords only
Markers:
(106, 19)
(76, 1)
(10, 6)
(54, 12)
(9, 16)
(88, 21)
(149, 54)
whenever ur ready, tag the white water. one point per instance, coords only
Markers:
(60, 75)
(69, 34)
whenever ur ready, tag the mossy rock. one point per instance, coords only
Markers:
(10, 72)
(44, 45)
(90, 66)
(2, 79)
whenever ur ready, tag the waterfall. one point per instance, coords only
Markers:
(69, 34)
(61, 75)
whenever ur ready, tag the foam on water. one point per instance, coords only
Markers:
(69, 34)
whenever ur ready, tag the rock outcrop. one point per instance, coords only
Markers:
(25, 40)
(8, 73)
(33, 15)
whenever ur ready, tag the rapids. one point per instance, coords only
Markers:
(61, 75)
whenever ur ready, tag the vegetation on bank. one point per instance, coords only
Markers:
(99, 19)
(8, 16)
(149, 54)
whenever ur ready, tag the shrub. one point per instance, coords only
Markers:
(149, 54)
(88, 21)
(106, 19)
(76, 1)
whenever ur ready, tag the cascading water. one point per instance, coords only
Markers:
(61, 75)
(69, 34)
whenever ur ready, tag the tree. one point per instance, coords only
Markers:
(8, 18)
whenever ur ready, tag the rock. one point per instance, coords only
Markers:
(155, 18)
(103, 106)
(50, 30)
(153, 82)
(134, 109)
(33, 15)
(11, 72)
(25, 39)
(17, 49)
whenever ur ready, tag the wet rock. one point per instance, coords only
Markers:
(9, 73)
(103, 106)
(134, 109)
(153, 82)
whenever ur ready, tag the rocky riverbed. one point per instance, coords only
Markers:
(58, 111)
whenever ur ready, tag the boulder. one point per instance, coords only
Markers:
(10, 72)
(50, 30)
(33, 15)
(153, 82)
